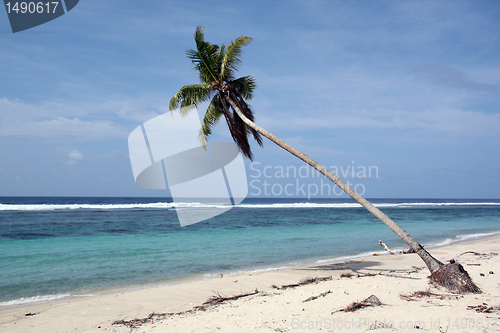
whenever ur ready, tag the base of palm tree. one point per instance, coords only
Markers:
(455, 278)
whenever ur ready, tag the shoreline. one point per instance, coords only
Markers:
(92, 313)
(47, 299)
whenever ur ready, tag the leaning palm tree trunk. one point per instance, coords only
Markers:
(451, 276)
(432, 263)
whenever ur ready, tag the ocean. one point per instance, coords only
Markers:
(56, 247)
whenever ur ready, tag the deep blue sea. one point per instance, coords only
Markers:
(54, 247)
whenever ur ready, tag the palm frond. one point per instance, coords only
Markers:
(211, 118)
(204, 57)
(232, 57)
(188, 97)
(244, 86)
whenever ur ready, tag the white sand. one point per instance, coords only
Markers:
(273, 310)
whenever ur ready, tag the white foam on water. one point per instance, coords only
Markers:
(34, 299)
(462, 238)
(171, 205)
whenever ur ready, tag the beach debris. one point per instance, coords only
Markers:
(473, 264)
(137, 322)
(471, 252)
(370, 301)
(376, 254)
(420, 294)
(380, 324)
(346, 275)
(491, 254)
(218, 298)
(385, 247)
(29, 314)
(212, 301)
(410, 250)
(417, 294)
(303, 282)
(483, 308)
(369, 274)
(312, 298)
(454, 278)
(415, 269)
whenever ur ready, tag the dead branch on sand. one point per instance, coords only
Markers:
(218, 298)
(303, 282)
(211, 302)
(483, 308)
(420, 294)
(312, 298)
(346, 275)
(370, 301)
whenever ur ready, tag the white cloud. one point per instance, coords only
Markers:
(76, 119)
(74, 157)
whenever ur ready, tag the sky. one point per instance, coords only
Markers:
(404, 93)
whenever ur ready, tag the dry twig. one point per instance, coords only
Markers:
(370, 301)
(303, 282)
(312, 298)
(212, 301)
(483, 308)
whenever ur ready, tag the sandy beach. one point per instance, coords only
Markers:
(274, 304)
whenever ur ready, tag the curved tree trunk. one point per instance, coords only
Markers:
(432, 263)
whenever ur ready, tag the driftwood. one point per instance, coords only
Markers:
(312, 298)
(218, 298)
(303, 282)
(346, 275)
(417, 294)
(410, 250)
(483, 308)
(370, 301)
(349, 275)
(491, 254)
(472, 252)
(369, 274)
(420, 294)
(385, 247)
(215, 300)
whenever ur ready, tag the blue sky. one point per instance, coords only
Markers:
(409, 87)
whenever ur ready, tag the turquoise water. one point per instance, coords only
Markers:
(54, 247)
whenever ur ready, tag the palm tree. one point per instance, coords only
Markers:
(216, 67)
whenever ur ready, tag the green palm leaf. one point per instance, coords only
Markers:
(204, 57)
(231, 58)
(188, 97)
(211, 118)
